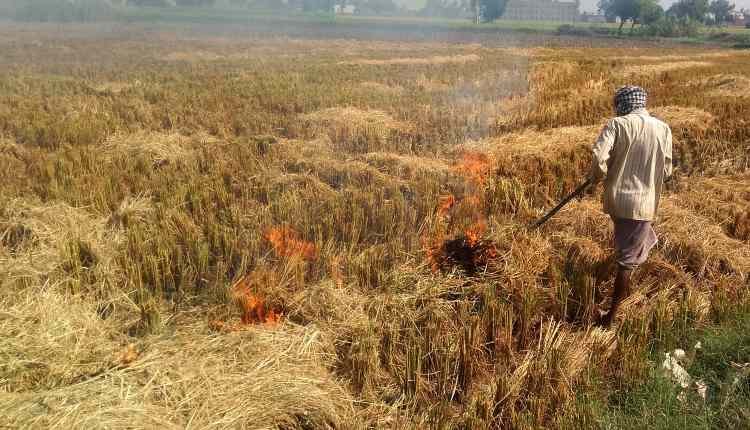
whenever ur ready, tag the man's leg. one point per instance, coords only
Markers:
(622, 290)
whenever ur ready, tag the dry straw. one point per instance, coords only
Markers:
(657, 68)
(372, 162)
(353, 125)
(724, 85)
(700, 245)
(435, 60)
(684, 117)
(65, 367)
(41, 239)
(161, 148)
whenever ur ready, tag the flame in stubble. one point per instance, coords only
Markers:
(474, 166)
(286, 243)
(475, 232)
(446, 204)
(253, 309)
(252, 306)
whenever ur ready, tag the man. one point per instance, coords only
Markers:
(633, 155)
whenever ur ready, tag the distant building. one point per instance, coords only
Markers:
(592, 17)
(347, 9)
(739, 18)
(541, 10)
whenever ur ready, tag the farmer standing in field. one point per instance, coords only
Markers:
(633, 156)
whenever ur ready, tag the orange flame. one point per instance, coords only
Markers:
(254, 309)
(474, 166)
(434, 250)
(475, 232)
(446, 204)
(286, 244)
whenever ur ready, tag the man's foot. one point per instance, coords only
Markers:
(622, 290)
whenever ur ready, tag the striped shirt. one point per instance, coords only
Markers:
(633, 155)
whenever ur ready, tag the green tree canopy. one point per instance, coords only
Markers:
(623, 9)
(693, 9)
(649, 11)
(492, 9)
(317, 5)
(721, 10)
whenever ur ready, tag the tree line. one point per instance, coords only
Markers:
(683, 13)
(681, 19)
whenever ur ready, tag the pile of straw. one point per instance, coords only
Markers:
(255, 379)
(406, 166)
(683, 117)
(39, 240)
(350, 123)
(161, 148)
(700, 245)
(548, 144)
(724, 199)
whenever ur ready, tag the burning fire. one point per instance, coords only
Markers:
(468, 249)
(287, 244)
(434, 248)
(475, 166)
(446, 204)
(475, 232)
(253, 307)
(254, 310)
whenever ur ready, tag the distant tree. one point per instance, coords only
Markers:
(377, 7)
(649, 12)
(443, 8)
(490, 10)
(721, 10)
(60, 10)
(195, 2)
(623, 9)
(693, 9)
(156, 3)
(476, 10)
(317, 5)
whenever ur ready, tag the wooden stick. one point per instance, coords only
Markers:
(578, 191)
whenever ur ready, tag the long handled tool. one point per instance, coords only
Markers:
(578, 192)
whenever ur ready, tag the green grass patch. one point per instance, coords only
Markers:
(659, 403)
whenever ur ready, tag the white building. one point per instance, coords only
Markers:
(347, 9)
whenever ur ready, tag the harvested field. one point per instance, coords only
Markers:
(383, 88)
(652, 69)
(429, 61)
(680, 117)
(727, 85)
(215, 229)
(349, 125)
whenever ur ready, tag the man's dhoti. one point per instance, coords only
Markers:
(633, 239)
